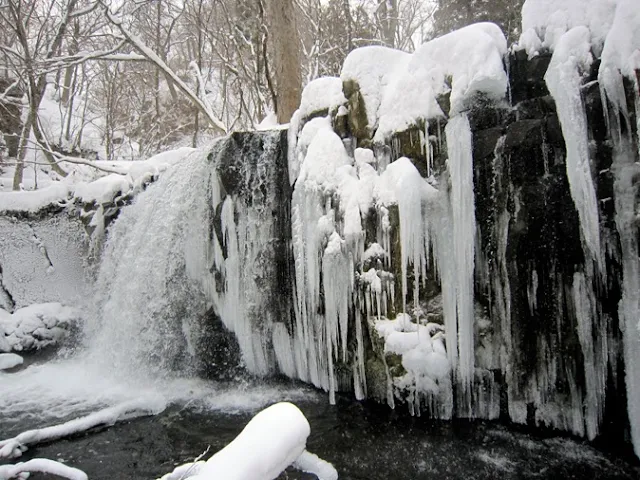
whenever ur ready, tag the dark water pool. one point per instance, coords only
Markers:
(363, 441)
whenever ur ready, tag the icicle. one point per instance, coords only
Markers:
(458, 132)
(563, 78)
(410, 190)
(359, 375)
(595, 367)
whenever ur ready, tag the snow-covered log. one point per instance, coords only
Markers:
(273, 440)
(14, 447)
(43, 465)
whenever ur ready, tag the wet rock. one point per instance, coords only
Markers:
(526, 77)
(358, 121)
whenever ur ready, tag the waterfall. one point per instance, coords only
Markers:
(146, 303)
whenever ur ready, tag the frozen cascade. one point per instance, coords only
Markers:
(317, 337)
(410, 191)
(246, 271)
(458, 133)
(216, 246)
(571, 58)
(337, 284)
(594, 349)
(620, 59)
(626, 168)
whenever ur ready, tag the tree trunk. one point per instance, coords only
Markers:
(22, 153)
(285, 45)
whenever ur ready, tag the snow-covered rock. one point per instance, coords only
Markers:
(400, 90)
(38, 326)
(10, 360)
(544, 22)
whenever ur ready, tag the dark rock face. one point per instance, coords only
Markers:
(530, 231)
(217, 353)
(252, 167)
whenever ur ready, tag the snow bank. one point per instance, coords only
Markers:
(34, 201)
(273, 440)
(544, 22)
(38, 326)
(41, 465)
(10, 360)
(14, 447)
(81, 183)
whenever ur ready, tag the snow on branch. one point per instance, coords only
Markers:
(42, 465)
(55, 63)
(14, 447)
(154, 58)
(60, 158)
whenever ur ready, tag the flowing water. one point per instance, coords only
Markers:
(364, 441)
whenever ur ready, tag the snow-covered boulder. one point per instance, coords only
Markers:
(37, 326)
(9, 360)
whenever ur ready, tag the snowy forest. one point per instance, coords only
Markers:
(403, 235)
(125, 81)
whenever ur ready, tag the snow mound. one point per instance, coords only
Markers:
(373, 68)
(38, 326)
(321, 94)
